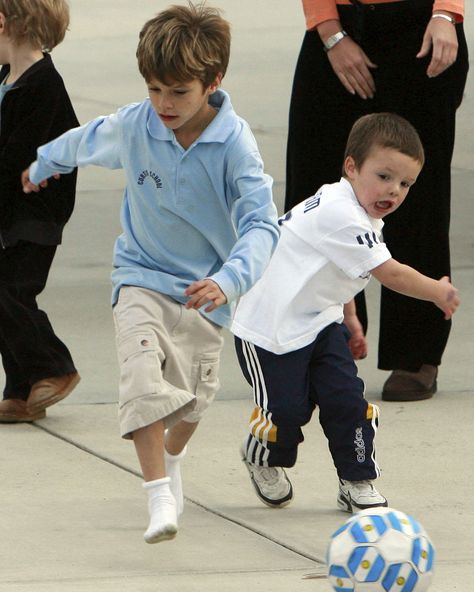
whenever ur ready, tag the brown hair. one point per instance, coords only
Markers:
(43, 23)
(383, 130)
(184, 43)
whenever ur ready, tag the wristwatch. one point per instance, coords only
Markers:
(334, 40)
(451, 19)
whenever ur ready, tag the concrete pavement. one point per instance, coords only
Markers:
(73, 510)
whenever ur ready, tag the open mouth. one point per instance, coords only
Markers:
(383, 206)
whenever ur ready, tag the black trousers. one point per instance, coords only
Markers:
(288, 387)
(322, 112)
(29, 347)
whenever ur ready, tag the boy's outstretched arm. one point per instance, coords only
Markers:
(406, 280)
(97, 142)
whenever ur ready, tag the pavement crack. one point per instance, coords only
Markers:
(241, 523)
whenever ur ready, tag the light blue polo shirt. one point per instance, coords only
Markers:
(187, 214)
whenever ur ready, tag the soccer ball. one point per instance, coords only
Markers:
(380, 550)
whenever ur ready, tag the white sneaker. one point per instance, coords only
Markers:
(163, 523)
(358, 495)
(271, 484)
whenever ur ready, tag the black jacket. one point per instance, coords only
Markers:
(36, 110)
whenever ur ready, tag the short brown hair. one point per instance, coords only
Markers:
(383, 130)
(43, 23)
(184, 43)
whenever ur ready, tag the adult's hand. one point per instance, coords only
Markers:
(440, 37)
(351, 65)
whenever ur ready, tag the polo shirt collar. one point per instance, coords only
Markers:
(218, 130)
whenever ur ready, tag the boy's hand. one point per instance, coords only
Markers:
(204, 292)
(28, 186)
(448, 300)
(358, 342)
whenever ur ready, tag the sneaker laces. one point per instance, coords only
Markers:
(365, 487)
(270, 475)
(361, 485)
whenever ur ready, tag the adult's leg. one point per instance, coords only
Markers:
(418, 233)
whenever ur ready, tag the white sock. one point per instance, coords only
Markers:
(162, 509)
(173, 471)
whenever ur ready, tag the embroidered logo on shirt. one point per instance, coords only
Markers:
(369, 239)
(152, 175)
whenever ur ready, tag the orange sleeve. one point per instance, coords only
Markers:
(318, 11)
(454, 6)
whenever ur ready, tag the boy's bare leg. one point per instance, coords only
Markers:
(150, 448)
(178, 436)
(175, 448)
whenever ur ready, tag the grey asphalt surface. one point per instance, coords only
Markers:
(73, 511)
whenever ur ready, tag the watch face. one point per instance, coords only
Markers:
(334, 39)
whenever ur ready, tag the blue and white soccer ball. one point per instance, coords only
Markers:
(380, 550)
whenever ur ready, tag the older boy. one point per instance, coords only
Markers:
(199, 226)
(35, 108)
(291, 341)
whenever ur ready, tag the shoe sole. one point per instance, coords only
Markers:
(168, 534)
(281, 503)
(14, 419)
(53, 399)
(410, 395)
(344, 504)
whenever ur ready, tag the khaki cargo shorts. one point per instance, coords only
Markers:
(168, 358)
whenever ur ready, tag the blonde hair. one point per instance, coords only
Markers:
(184, 43)
(383, 130)
(43, 23)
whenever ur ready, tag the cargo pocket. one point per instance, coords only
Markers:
(140, 366)
(206, 371)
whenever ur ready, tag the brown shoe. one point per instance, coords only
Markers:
(15, 411)
(48, 391)
(411, 386)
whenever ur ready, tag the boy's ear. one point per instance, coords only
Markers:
(215, 85)
(2, 22)
(349, 167)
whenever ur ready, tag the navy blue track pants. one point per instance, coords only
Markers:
(288, 387)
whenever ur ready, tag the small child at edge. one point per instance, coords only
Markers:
(199, 227)
(293, 328)
(35, 108)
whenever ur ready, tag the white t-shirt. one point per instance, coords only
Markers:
(327, 248)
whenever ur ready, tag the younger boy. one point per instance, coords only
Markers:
(35, 108)
(199, 226)
(292, 344)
